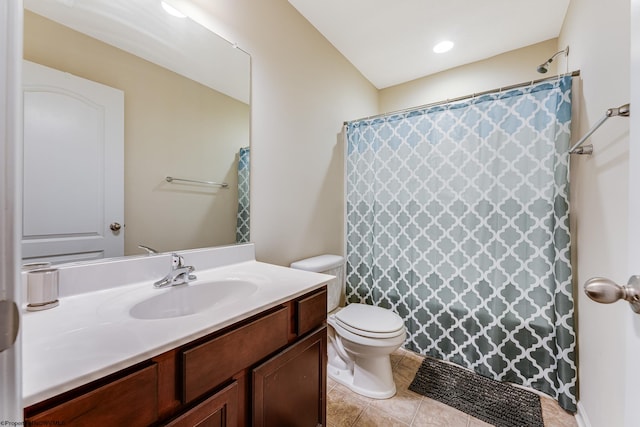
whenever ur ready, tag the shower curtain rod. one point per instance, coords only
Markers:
(461, 98)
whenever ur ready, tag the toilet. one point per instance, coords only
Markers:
(360, 337)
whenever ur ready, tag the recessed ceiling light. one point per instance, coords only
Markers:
(172, 10)
(443, 47)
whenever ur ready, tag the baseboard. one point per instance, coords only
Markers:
(581, 417)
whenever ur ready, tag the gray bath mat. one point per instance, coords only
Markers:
(491, 401)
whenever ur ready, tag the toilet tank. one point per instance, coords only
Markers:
(327, 264)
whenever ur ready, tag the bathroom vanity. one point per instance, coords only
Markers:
(259, 359)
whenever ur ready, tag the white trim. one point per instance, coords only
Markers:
(581, 417)
(11, 13)
(345, 152)
(631, 326)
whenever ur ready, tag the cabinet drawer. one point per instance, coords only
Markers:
(221, 409)
(131, 401)
(311, 311)
(209, 364)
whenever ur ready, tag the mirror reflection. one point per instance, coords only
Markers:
(185, 101)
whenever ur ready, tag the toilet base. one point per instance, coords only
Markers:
(370, 377)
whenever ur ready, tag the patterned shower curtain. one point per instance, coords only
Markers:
(457, 219)
(242, 223)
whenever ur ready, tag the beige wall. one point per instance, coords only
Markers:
(302, 91)
(173, 126)
(599, 35)
(509, 68)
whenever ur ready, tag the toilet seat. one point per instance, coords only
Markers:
(369, 321)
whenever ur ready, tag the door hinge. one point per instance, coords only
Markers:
(9, 324)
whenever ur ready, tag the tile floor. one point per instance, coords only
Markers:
(406, 408)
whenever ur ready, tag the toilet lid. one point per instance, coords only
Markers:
(369, 320)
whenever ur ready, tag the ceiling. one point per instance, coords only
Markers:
(391, 42)
(143, 28)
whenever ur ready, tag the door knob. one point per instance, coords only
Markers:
(114, 226)
(606, 291)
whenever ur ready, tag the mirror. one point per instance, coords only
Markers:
(186, 113)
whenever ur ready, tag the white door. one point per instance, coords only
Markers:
(632, 325)
(10, 139)
(73, 201)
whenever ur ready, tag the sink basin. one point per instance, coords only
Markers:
(186, 300)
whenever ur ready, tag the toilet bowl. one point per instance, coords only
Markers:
(361, 337)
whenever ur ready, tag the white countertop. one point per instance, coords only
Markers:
(92, 334)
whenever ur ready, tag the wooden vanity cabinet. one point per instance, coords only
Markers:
(290, 388)
(268, 370)
(126, 398)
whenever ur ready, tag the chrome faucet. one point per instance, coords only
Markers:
(178, 275)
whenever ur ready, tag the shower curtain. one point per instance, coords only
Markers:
(457, 219)
(242, 223)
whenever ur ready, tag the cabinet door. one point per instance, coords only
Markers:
(289, 390)
(220, 410)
